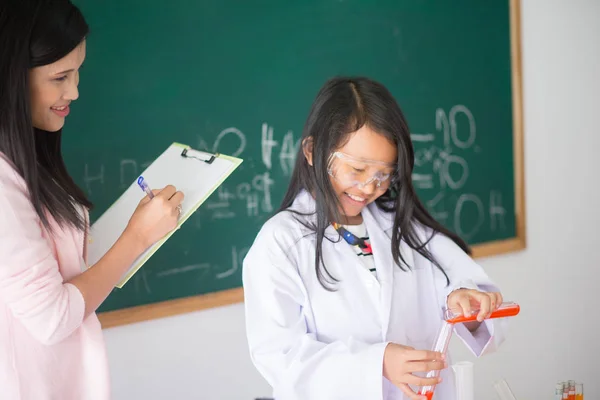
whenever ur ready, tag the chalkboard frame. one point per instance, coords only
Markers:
(174, 307)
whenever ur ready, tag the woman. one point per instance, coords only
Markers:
(344, 287)
(51, 344)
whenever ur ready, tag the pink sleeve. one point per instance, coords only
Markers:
(30, 282)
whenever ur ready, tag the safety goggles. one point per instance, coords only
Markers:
(352, 171)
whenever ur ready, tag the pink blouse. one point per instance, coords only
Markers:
(47, 350)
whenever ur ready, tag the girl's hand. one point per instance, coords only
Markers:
(154, 218)
(399, 363)
(463, 301)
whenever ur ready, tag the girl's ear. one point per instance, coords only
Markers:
(307, 149)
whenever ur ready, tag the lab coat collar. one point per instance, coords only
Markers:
(305, 203)
(384, 220)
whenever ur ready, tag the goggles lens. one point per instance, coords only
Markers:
(351, 171)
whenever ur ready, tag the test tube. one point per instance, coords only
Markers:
(558, 391)
(579, 391)
(565, 390)
(441, 345)
(571, 390)
(506, 309)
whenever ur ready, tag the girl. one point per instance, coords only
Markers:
(51, 344)
(344, 286)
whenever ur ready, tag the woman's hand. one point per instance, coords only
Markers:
(399, 363)
(151, 220)
(464, 301)
(154, 218)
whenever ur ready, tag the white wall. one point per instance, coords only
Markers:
(204, 356)
(554, 279)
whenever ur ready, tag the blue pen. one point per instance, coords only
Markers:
(142, 183)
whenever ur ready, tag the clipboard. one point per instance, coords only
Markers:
(196, 173)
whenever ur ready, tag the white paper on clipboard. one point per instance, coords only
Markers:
(197, 174)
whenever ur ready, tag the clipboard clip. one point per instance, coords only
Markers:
(199, 155)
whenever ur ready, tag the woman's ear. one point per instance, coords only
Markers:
(307, 149)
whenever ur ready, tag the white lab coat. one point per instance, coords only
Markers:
(314, 344)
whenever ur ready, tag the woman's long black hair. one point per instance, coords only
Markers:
(35, 33)
(342, 106)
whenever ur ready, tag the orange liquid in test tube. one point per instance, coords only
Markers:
(506, 310)
(571, 385)
(579, 391)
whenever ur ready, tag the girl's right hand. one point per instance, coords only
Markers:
(399, 363)
(154, 218)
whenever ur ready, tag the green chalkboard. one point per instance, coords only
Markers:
(239, 77)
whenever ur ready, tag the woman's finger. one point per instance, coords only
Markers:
(167, 192)
(146, 199)
(176, 198)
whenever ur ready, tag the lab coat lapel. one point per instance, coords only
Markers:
(384, 263)
(379, 226)
(406, 289)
